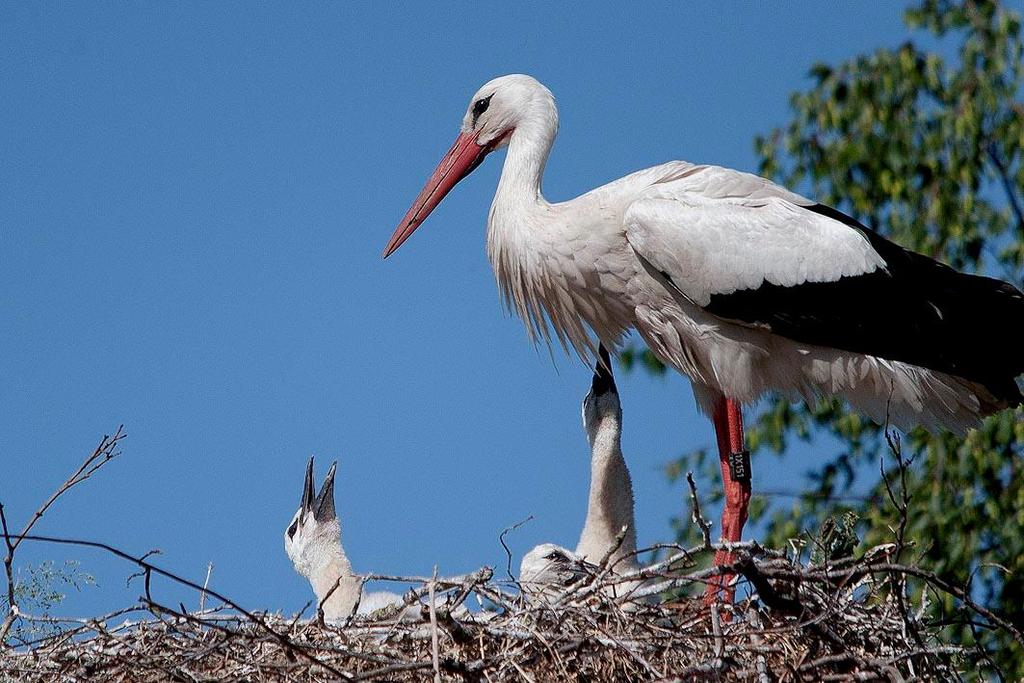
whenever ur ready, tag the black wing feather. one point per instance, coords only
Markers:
(916, 310)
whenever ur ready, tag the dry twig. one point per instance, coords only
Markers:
(101, 455)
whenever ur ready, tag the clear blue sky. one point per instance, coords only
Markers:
(193, 202)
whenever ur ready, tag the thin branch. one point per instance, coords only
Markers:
(1008, 184)
(202, 596)
(104, 453)
(101, 455)
(508, 552)
(695, 515)
(434, 648)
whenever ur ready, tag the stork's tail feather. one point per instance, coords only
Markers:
(968, 326)
(984, 330)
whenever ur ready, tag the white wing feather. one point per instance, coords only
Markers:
(712, 231)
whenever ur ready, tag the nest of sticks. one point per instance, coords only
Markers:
(845, 620)
(855, 618)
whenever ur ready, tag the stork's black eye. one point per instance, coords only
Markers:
(480, 106)
(293, 528)
(552, 556)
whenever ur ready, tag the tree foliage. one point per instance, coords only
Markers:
(38, 590)
(922, 142)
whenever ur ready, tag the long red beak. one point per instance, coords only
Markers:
(464, 156)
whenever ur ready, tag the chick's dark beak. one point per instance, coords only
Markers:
(307, 488)
(324, 506)
(604, 382)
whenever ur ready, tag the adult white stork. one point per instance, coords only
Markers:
(736, 282)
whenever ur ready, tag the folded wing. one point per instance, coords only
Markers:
(749, 251)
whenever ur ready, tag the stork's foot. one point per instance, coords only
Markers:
(733, 517)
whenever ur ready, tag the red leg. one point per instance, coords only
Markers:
(728, 420)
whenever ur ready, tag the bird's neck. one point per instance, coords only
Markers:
(335, 569)
(610, 506)
(521, 175)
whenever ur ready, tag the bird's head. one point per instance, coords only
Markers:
(314, 536)
(503, 104)
(498, 109)
(550, 569)
(601, 409)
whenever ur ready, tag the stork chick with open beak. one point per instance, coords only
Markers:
(313, 544)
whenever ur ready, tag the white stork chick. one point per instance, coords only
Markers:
(549, 568)
(610, 506)
(313, 544)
